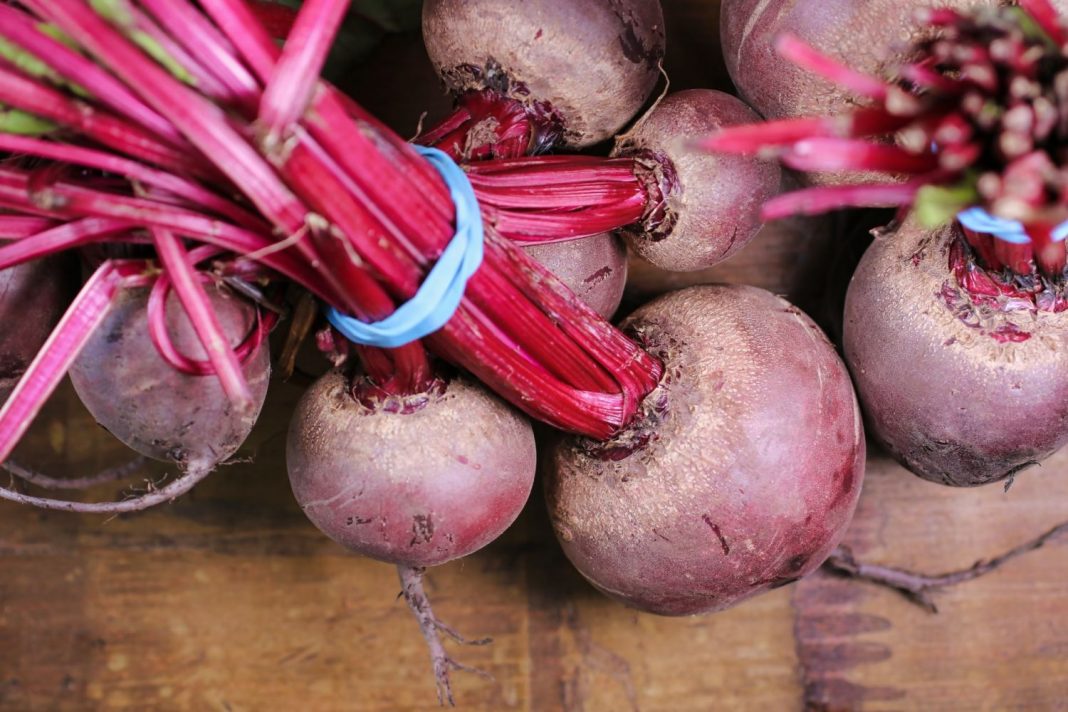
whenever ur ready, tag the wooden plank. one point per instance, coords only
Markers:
(229, 599)
(998, 643)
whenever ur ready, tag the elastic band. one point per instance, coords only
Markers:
(1012, 231)
(439, 296)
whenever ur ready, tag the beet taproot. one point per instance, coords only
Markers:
(742, 473)
(962, 386)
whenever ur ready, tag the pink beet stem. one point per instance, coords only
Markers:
(1048, 18)
(836, 154)
(77, 202)
(296, 74)
(196, 74)
(203, 123)
(240, 24)
(202, 316)
(200, 38)
(795, 50)
(21, 29)
(545, 227)
(36, 98)
(85, 314)
(926, 77)
(196, 195)
(813, 201)
(62, 237)
(759, 137)
(15, 227)
(157, 331)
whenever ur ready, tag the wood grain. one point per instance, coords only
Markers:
(228, 599)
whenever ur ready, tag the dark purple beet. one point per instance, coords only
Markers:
(155, 409)
(33, 297)
(742, 473)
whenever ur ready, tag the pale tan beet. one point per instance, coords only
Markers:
(153, 408)
(411, 488)
(712, 201)
(33, 297)
(594, 268)
(942, 385)
(745, 469)
(593, 62)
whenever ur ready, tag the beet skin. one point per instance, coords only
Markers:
(963, 391)
(742, 473)
(417, 481)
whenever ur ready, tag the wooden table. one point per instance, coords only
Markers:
(229, 599)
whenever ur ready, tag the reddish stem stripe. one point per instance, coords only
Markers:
(296, 74)
(1048, 18)
(53, 361)
(194, 299)
(197, 195)
(834, 154)
(35, 98)
(813, 201)
(15, 227)
(64, 236)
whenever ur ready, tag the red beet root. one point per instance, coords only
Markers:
(586, 66)
(594, 268)
(963, 377)
(412, 480)
(418, 480)
(152, 407)
(709, 205)
(743, 472)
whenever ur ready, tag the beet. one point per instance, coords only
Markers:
(594, 268)
(964, 388)
(591, 65)
(416, 481)
(742, 473)
(33, 297)
(709, 204)
(155, 409)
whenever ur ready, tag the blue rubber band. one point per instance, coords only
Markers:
(1012, 231)
(443, 288)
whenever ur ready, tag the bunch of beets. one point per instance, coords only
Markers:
(177, 182)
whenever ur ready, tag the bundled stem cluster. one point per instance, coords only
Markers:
(184, 126)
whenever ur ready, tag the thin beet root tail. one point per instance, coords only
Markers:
(918, 587)
(976, 118)
(136, 503)
(411, 578)
(39, 479)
